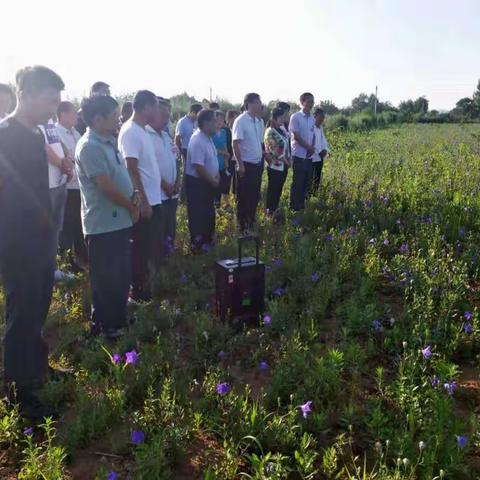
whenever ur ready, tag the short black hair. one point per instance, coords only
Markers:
(219, 113)
(38, 78)
(97, 86)
(304, 96)
(64, 107)
(250, 98)
(277, 112)
(195, 108)
(232, 113)
(284, 106)
(97, 105)
(205, 115)
(144, 98)
(214, 106)
(319, 111)
(4, 88)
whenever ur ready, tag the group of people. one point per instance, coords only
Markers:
(102, 185)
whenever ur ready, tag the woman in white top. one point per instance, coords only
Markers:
(277, 148)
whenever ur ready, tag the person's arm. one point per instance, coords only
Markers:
(52, 157)
(132, 166)
(238, 156)
(178, 135)
(203, 173)
(104, 183)
(169, 188)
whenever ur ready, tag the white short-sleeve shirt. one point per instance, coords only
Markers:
(201, 151)
(250, 131)
(69, 138)
(320, 143)
(55, 176)
(134, 142)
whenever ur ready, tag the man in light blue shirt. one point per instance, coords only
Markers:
(109, 210)
(185, 128)
(302, 125)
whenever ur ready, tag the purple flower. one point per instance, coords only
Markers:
(404, 249)
(116, 358)
(468, 329)
(386, 242)
(264, 367)
(468, 316)
(221, 354)
(377, 325)
(277, 263)
(295, 222)
(205, 247)
(427, 352)
(306, 408)
(223, 388)
(278, 292)
(329, 238)
(372, 241)
(450, 387)
(137, 437)
(183, 278)
(435, 382)
(131, 358)
(112, 476)
(267, 320)
(28, 431)
(462, 441)
(315, 277)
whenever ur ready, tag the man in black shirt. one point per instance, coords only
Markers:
(27, 236)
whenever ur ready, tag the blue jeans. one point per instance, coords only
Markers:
(109, 260)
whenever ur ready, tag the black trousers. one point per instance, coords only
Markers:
(146, 250)
(302, 175)
(317, 168)
(276, 180)
(248, 194)
(27, 276)
(109, 256)
(168, 225)
(200, 210)
(71, 236)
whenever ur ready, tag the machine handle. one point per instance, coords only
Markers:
(248, 238)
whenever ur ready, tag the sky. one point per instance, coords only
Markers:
(334, 48)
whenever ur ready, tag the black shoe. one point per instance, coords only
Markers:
(113, 333)
(31, 407)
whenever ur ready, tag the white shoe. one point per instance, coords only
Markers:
(63, 276)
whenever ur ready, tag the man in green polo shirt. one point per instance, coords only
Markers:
(109, 209)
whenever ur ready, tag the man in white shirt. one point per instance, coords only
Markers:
(71, 236)
(6, 100)
(60, 172)
(166, 153)
(137, 148)
(247, 135)
(302, 133)
(321, 151)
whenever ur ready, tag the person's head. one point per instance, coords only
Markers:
(194, 111)
(207, 122)
(220, 118)
(144, 105)
(162, 116)
(6, 99)
(319, 115)
(100, 88)
(307, 100)
(278, 117)
(284, 106)
(101, 114)
(231, 116)
(67, 114)
(214, 106)
(253, 104)
(38, 93)
(126, 112)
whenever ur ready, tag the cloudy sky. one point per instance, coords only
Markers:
(334, 48)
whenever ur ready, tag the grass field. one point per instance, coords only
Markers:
(372, 316)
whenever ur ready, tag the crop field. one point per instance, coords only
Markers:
(364, 365)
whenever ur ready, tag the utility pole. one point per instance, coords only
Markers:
(210, 94)
(376, 99)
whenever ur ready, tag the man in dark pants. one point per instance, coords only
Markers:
(321, 151)
(137, 148)
(248, 130)
(302, 133)
(202, 180)
(108, 211)
(27, 236)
